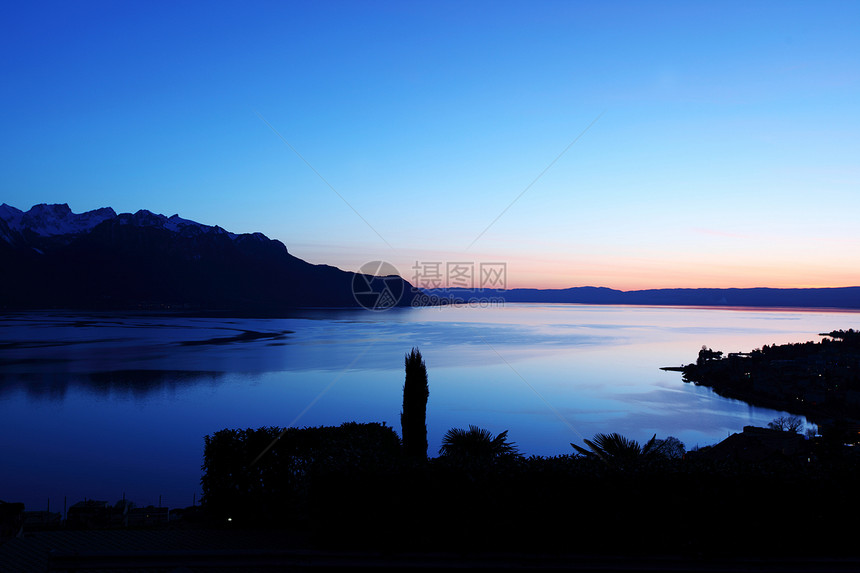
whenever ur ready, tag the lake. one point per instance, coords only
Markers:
(104, 405)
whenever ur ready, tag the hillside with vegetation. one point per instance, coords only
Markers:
(820, 380)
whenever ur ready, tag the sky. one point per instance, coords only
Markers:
(621, 144)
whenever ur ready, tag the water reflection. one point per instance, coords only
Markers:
(148, 388)
(138, 384)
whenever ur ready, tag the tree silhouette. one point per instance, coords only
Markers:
(706, 355)
(616, 448)
(671, 448)
(476, 444)
(787, 424)
(413, 418)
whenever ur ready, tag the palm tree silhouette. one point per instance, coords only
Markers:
(477, 444)
(616, 448)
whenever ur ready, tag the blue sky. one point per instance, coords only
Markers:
(725, 151)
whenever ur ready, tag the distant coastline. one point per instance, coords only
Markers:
(847, 298)
(818, 380)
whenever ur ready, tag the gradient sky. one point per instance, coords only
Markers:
(726, 153)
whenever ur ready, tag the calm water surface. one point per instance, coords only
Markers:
(99, 406)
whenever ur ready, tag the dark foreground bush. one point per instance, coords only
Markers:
(261, 477)
(350, 488)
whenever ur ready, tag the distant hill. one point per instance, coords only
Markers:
(53, 258)
(847, 297)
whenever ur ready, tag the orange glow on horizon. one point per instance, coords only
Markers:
(626, 287)
(666, 275)
(628, 273)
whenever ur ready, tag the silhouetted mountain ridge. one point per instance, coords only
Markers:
(53, 258)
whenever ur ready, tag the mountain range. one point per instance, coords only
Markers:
(54, 258)
(840, 297)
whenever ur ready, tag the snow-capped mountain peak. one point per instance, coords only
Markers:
(54, 258)
(53, 220)
(174, 223)
(58, 220)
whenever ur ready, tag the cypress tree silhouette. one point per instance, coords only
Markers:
(413, 418)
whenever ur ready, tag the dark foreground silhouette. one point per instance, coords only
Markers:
(763, 492)
(352, 487)
(350, 497)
